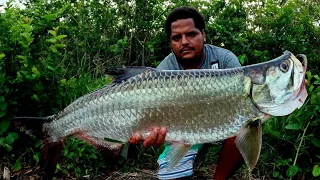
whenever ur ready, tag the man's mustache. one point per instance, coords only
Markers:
(186, 48)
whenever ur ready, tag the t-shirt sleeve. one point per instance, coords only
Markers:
(169, 63)
(163, 65)
(231, 60)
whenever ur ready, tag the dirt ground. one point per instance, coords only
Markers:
(33, 173)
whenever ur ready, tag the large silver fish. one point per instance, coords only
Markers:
(196, 106)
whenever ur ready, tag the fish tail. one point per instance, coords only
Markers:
(32, 126)
(51, 153)
(36, 126)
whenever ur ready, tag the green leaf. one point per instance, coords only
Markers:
(4, 125)
(36, 73)
(60, 37)
(315, 98)
(3, 106)
(315, 141)
(51, 40)
(17, 165)
(36, 157)
(60, 45)
(9, 139)
(14, 135)
(275, 133)
(275, 173)
(70, 166)
(311, 88)
(70, 155)
(293, 126)
(2, 55)
(243, 58)
(78, 170)
(54, 34)
(35, 97)
(53, 48)
(314, 123)
(4, 144)
(8, 147)
(1, 98)
(309, 75)
(6, 90)
(37, 144)
(292, 171)
(316, 171)
(93, 156)
(22, 57)
(58, 167)
(2, 141)
(2, 113)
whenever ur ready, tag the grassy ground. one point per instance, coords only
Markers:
(140, 165)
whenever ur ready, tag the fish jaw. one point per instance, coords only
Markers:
(289, 106)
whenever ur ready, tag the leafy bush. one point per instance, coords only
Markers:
(292, 143)
(52, 52)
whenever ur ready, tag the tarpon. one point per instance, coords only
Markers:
(197, 106)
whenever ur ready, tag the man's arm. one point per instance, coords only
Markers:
(231, 60)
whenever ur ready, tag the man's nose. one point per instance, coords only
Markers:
(184, 40)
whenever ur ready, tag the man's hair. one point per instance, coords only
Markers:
(184, 12)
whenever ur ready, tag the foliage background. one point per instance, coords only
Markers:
(52, 52)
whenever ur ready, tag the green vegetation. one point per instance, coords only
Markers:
(52, 52)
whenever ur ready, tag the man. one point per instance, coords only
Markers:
(185, 28)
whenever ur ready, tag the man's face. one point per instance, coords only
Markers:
(187, 41)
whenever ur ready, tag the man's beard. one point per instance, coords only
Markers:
(189, 62)
(192, 62)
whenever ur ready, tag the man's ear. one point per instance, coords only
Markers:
(204, 35)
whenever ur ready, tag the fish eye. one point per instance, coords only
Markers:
(284, 67)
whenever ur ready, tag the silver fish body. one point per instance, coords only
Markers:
(196, 106)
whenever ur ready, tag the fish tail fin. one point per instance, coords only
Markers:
(32, 126)
(36, 126)
(51, 153)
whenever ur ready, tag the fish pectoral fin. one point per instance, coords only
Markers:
(176, 153)
(249, 142)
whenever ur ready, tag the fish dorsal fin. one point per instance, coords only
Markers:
(249, 141)
(123, 74)
(176, 153)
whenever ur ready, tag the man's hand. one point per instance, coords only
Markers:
(156, 137)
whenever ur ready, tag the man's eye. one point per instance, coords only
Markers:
(175, 38)
(192, 34)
